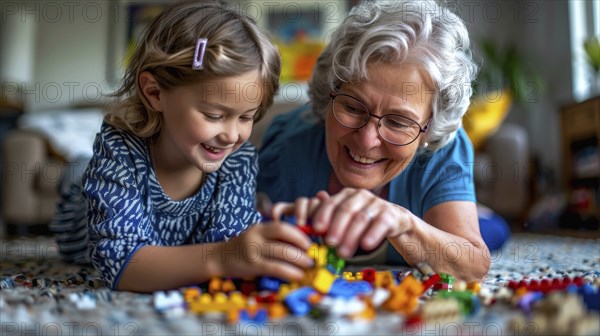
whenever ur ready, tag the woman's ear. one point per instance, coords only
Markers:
(151, 90)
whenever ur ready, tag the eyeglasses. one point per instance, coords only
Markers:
(393, 128)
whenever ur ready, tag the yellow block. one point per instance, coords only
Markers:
(323, 280)
(318, 253)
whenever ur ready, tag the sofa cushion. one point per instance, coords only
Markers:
(70, 132)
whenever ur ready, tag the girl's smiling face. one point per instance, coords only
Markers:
(206, 122)
(360, 157)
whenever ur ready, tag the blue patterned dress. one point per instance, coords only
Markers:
(127, 208)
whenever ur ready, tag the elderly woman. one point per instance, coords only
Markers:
(380, 154)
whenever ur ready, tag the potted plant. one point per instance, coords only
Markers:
(503, 80)
(592, 50)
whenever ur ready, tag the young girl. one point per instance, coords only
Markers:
(172, 178)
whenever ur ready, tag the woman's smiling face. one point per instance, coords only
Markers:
(360, 157)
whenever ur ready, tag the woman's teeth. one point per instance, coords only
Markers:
(362, 159)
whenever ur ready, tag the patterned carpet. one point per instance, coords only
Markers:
(40, 295)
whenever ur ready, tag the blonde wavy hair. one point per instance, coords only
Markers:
(235, 46)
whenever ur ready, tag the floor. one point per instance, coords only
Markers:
(45, 295)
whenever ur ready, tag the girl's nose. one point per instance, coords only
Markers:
(230, 133)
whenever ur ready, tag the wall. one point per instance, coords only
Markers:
(73, 44)
(69, 55)
(540, 31)
(17, 45)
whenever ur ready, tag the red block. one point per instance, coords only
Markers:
(369, 275)
(431, 281)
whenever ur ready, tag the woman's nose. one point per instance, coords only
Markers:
(368, 135)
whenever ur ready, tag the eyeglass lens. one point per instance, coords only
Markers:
(352, 113)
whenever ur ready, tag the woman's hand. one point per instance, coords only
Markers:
(267, 249)
(351, 218)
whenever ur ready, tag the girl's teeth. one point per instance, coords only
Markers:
(362, 159)
(212, 149)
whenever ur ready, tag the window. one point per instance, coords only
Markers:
(584, 17)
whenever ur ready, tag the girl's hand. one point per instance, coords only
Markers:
(267, 249)
(356, 217)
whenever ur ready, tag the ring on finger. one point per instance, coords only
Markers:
(369, 214)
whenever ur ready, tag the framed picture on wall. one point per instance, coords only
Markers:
(300, 29)
(127, 23)
(299, 38)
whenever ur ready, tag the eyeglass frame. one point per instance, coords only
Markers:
(334, 94)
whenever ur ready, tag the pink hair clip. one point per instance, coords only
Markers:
(199, 53)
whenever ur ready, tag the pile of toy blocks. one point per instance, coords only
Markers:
(559, 306)
(419, 295)
(325, 290)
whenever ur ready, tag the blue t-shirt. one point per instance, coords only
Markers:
(293, 162)
(127, 208)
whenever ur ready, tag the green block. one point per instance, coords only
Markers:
(446, 278)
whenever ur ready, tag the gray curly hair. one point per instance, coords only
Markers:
(418, 31)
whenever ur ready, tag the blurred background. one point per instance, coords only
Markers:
(534, 121)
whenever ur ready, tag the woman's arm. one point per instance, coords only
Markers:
(448, 239)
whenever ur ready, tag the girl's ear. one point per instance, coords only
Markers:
(151, 90)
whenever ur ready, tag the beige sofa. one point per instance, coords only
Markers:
(31, 176)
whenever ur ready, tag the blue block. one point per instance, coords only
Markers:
(269, 283)
(572, 289)
(297, 301)
(261, 316)
(348, 289)
(591, 297)
(592, 301)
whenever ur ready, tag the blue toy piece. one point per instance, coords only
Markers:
(260, 316)
(527, 300)
(494, 230)
(348, 289)
(269, 283)
(297, 300)
(591, 297)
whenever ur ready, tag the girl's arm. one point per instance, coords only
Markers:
(162, 267)
(272, 249)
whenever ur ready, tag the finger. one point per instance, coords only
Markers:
(313, 206)
(301, 210)
(375, 233)
(323, 195)
(390, 226)
(263, 203)
(280, 209)
(286, 253)
(284, 271)
(350, 212)
(321, 218)
(352, 236)
(287, 233)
